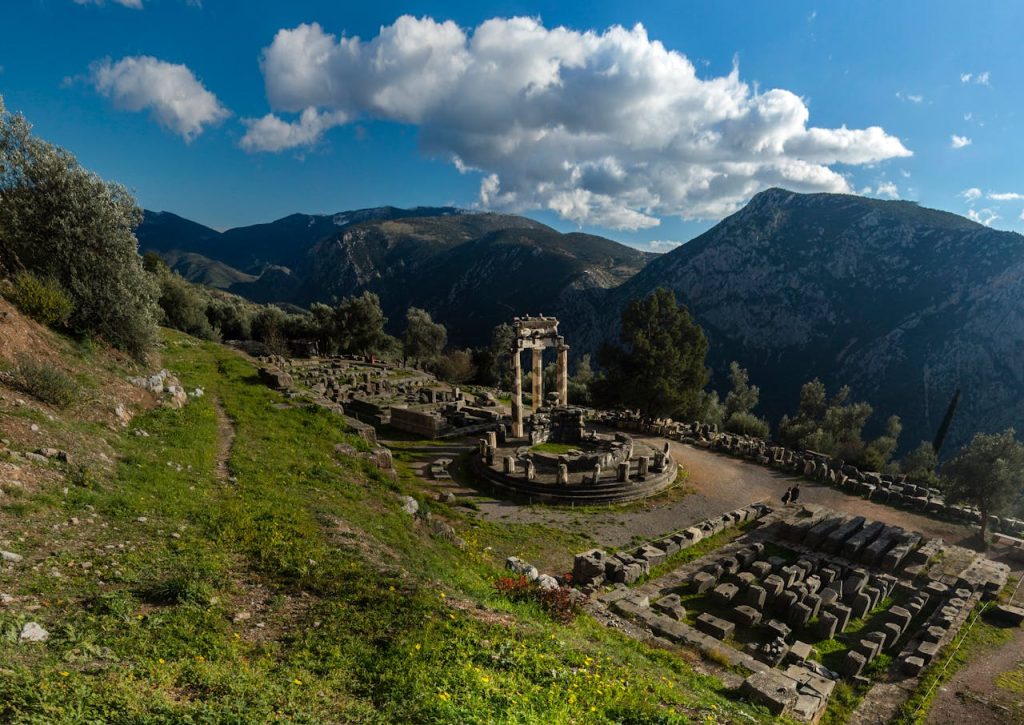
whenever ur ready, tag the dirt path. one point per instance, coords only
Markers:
(972, 695)
(225, 437)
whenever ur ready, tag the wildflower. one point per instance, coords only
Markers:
(296, 681)
(444, 696)
(161, 660)
(442, 595)
(418, 645)
(485, 679)
(391, 588)
(593, 708)
(64, 674)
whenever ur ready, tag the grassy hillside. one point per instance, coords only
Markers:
(228, 565)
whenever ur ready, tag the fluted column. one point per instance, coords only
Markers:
(563, 374)
(538, 377)
(517, 394)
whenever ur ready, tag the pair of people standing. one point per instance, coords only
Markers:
(791, 494)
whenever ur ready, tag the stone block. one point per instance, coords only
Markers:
(860, 606)
(799, 615)
(813, 601)
(669, 546)
(927, 651)
(913, 665)
(799, 652)
(588, 566)
(724, 593)
(892, 633)
(842, 614)
(1008, 614)
(651, 554)
(760, 569)
(755, 596)
(701, 582)
(671, 606)
(774, 585)
(777, 628)
(716, 627)
(853, 664)
(785, 602)
(900, 616)
(746, 615)
(828, 596)
(933, 634)
(771, 689)
(826, 626)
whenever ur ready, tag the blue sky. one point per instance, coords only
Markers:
(237, 112)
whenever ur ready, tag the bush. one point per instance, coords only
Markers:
(558, 602)
(44, 300)
(747, 424)
(44, 382)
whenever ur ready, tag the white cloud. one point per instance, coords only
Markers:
(985, 216)
(968, 116)
(607, 128)
(958, 142)
(1022, 216)
(663, 245)
(136, 4)
(912, 97)
(971, 195)
(887, 190)
(1007, 196)
(904, 173)
(982, 79)
(170, 92)
(270, 133)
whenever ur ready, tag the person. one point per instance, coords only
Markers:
(794, 494)
(786, 495)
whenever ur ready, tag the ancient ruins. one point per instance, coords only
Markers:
(804, 598)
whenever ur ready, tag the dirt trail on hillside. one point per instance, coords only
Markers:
(225, 437)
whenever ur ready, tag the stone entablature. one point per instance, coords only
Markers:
(536, 334)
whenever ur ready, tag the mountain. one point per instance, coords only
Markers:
(902, 303)
(471, 270)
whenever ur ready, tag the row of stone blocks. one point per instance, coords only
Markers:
(951, 608)
(595, 567)
(854, 538)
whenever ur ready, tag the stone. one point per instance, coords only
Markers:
(927, 651)
(754, 596)
(1009, 614)
(913, 665)
(861, 605)
(892, 633)
(771, 689)
(826, 626)
(651, 554)
(589, 566)
(828, 597)
(780, 630)
(799, 615)
(672, 606)
(760, 569)
(900, 616)
(10, 556)
(785, 602)
(933, 634)
(853, 664)
(33, 632)
(774, 585)
(843, 614)
(814, 602)
(799, 652)
(701, 582)
(716, 627)
(409, 505)
(746, 616)
(724, 593)
(547, 582)
(518, 566)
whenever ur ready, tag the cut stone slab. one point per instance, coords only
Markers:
(772, 689)
(1009, 614)
(702, 581)
(853, 664)
(672, 606)
(716, 627)
(798, 652)
(746, 615)
(913, 665)
(724, 593)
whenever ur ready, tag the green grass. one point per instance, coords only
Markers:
(367, 617)
(982, 637)
(557, 449)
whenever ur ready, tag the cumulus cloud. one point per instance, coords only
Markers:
(912, 97)
(136, 4)
(887, 190)
(1006, 196)
(972, 194)
(984, 216)
(959, 142)
(663, 245)
(170, 92)
(607, 128)
(270, 133)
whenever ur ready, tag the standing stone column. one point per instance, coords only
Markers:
(538, 377)
(563, 374)
(517, 394)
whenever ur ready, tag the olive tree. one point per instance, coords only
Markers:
(59, 220)
(987, 473)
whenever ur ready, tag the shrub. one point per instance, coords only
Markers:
(44, 382)
(747, 424)
(558, 602)
(44, 300)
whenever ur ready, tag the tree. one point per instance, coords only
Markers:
(268, 328)
(919, 465)
(360, 324)
(660, 367)
(986, 473)
(59, 221)
(498, 357)
(455, 367)
(711, 409)
(183, 307)
(878, 452)
(423, 339)
(580, 383)
(740, 401)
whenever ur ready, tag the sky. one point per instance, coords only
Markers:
(645, 122)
